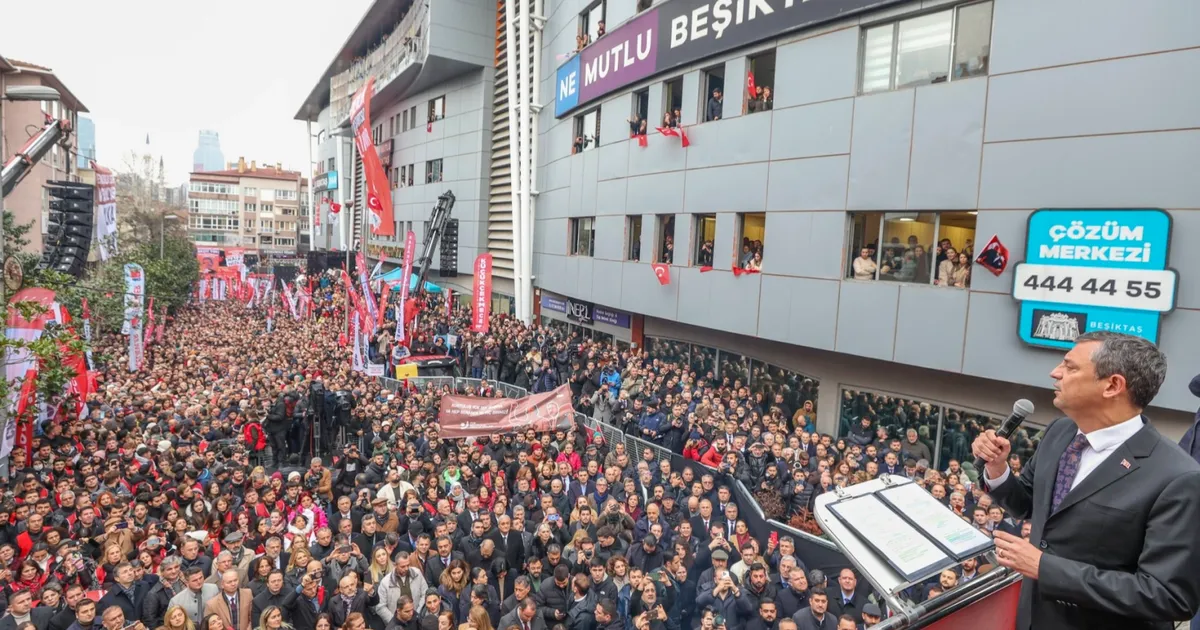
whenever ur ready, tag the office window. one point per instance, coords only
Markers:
(633, 238)
(583, 235)
(932, 48)
(705, 232)
(672, 102)
(587, 131)
(913, 247)
(638, 123)
(643, 5)
(412, 117)
(666, 238)
(591, 24)
(762, 71)
(332, 164)
(433, 171)
(437, 109)
(713, 80)
(391, 129)
(404, 121)
(412, 171)
(752, 234)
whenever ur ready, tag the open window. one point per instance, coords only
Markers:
(705, 233)
(761, 75)
(711, 101)
(433, 171)
(672, 101)
(633, 236)
(912, 247)
(587, 131)
(583, 236)
(752, 228)
(666, 238)
(437, 109)
(930, 48)
(638, 123)
(591, 24)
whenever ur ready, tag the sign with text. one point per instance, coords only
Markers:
(554, 303)
(473, 416)
(579, 311)
(481, 298)
(377, 195)
(1090, 270)
(682, 32)
(106, 211)
(325, 181)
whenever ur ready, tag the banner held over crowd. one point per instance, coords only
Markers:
(472, 416)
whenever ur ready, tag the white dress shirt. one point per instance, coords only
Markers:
(1101, 444)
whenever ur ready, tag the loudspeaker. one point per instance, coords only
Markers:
(69, 234)
(449, 250)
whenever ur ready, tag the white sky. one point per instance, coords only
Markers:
(239, 67)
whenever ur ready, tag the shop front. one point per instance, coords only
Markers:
(590, 321)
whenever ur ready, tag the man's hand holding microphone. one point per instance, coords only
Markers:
(992, 448)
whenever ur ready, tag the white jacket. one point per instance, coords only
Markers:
(389, 593)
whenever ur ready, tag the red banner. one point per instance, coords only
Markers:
(482, 303)
(410, 250)
(27, 410)
(471, 416)
(997, 611)
(379, 197)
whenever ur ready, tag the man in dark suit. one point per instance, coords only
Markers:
(469, 515)
(21, 604)
(127, 593)
(441, 561)
(508, 543)
(1113, 504)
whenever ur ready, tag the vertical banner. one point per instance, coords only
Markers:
(149, 323)
(410, 247)
(161, 325)
(235, 257)
(87, 334)
(378, 196)
(26, 416)
(482, 302)
(135, 293)
(364, 280)
(106, 211)
(356, 357)
(20, 362)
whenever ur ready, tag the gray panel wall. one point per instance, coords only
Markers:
(1095, 115)
(463, 141)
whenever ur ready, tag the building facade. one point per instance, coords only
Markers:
(29, 202)
(805, 240)
(263, 209)
(208, 155)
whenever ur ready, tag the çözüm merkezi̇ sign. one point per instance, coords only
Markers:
(680, 32)
(1094, 270)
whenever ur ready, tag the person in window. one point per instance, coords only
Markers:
(753, 104)
(637, 126)
(582, 40)
(864, 266)
(577, 146)
(755, 263)
(714, 106)
(669, 121)
(668, 251)
(767, 102)
(960, 272)
(946, 266)
(747, 254)
(600, 29)
(706, 254)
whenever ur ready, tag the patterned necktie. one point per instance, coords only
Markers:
(1068, 467)
(233, 611)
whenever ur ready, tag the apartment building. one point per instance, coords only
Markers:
(263, 209)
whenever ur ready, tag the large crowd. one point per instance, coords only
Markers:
(249, 479)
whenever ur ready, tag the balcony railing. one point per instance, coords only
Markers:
(405, 45)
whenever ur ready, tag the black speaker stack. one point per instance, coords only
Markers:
(449, 250)
(69, 235)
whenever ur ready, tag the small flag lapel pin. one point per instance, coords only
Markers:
(1125, 463)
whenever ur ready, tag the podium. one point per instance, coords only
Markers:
(870, 524)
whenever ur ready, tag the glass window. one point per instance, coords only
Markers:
(638, 123)
(713, 80)
(633, 236)
(734, 368)
(672, 101)
(762, 77)
(955, 249)
(666, 238)
(583, 234)
(864, 243)
(437, 109)
(705, 234)
(972, 40)
(433, 171)
(704, 361)
(881, 419)
(587, 131)
(905, 253)
(923, 49)
(877, 58)
(752, 228)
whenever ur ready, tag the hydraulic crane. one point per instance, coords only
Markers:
(437, 224)
(23, 161)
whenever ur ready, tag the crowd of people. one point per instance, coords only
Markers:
(249, 479)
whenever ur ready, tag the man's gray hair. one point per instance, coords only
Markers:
(1140, 362)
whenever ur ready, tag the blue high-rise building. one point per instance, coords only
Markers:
(85, 137)
(208, 156)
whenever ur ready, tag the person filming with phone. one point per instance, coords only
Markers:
(1114, 505)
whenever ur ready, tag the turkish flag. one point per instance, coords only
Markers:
(642, 140)
(429, 127)
(706, 269)
(750, 84)
(662, 271)
(667, 131)
(683, 138)
(994, 256)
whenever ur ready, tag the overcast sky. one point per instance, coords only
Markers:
(170, 69)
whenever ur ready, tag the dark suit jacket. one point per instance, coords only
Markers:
(434, 566)
(1122, 550)
(117, 597)
(514, 550)
(39, 616)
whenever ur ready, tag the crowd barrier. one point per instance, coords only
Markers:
(816, 552)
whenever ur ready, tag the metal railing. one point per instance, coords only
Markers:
(407, 44)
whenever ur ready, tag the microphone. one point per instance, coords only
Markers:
(1021, 410)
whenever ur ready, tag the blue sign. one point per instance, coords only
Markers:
(1094, 270)
(566, 87)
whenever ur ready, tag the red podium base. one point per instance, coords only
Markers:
(997, 611)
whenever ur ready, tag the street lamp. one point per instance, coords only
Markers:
(162, 229)
(20, 93)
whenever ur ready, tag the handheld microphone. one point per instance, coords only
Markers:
(1021, 409)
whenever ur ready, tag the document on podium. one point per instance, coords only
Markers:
(908, 550)
(947, 530)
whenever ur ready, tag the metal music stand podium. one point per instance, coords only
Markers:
(987, 602)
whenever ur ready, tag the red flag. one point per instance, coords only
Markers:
(335, 208)
(706, 269)
(662, 271)
(642, 140)
(667, 131)
(994, 256)
(683, 138)
(26, 409)
(482, 298)
(378, 195)
(738, 271)
(750, 83)
(429, 127)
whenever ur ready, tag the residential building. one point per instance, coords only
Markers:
(208, 155)
(258, 208)
(29, 202)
